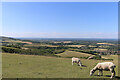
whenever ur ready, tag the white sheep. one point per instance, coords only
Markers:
(106, 66)
(76, 60)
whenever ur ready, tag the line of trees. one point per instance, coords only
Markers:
(42, 51)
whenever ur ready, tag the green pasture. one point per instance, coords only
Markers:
(30, 66)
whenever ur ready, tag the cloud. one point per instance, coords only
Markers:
(63, 35)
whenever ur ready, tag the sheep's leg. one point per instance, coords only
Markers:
(113, 73)
(101, 73)
(78, 63)
(72, 62)
(98, 72)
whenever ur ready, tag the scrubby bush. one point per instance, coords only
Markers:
(98, 57)
(32, 51)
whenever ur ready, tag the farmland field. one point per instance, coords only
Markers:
(75, 45)
(68, 53)
(37, 45)
(30, 66)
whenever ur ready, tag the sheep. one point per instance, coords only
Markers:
(76, 60)
(106, 66)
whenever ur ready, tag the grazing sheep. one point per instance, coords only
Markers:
(76, 60)
(106, 66)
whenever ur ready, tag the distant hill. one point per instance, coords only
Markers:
(13, 40)
(7, 38)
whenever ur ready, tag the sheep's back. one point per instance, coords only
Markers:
(75, 59)
(105, 65)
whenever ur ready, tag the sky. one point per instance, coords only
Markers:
(60, 19)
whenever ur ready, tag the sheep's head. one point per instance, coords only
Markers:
(91, 72)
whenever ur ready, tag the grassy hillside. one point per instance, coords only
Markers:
(7, 38)
(30, 66)
(68, 53)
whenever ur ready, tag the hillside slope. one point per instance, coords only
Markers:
(29, 66)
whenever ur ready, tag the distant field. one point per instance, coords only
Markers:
(17, 41)
(38, 45)
(101, 49)
(30, 66)
(73, 54)
(106, 43)
(75, 45)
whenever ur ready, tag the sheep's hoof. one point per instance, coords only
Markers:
(111, 77)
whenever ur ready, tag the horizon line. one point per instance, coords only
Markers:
(59, 37)
(63, 38)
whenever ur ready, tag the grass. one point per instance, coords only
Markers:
(68, 53)
(38, 45)
(30, 66)
(17, 41)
